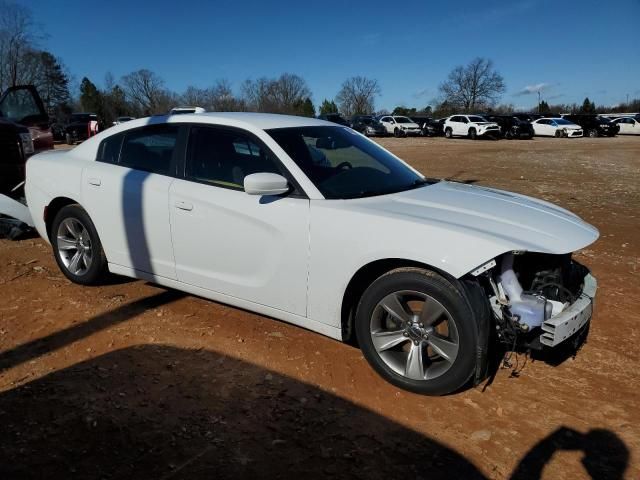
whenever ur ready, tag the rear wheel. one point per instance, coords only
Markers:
(417, 331)
(77, 247)
(68, 139)
(593, 133)
(448, 132)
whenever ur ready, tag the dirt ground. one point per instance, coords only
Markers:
(129, 380)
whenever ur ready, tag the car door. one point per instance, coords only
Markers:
(227, 241)
(126, 193)
(543, 128)
(459, 125)
(389, 124)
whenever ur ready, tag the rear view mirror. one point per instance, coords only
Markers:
(265, 184)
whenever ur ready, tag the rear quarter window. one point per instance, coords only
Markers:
(109, 149)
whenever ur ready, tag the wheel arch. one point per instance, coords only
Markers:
(364, 277)
(468, 286)
(53, 208)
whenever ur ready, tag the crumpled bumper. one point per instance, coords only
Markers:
(559, 328)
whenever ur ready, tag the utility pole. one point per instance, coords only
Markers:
(539, 101)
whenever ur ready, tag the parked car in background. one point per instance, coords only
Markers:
(512, 126)
(24, 130)
(425, 273)
(472, 126)
(422, 121)
(81, 126)
(400, 126)
(627, 125)
(593, 125)
(556, 127)
(435, 128)
(120, 120)
(368, 125)
(334, 118)
(530, 117)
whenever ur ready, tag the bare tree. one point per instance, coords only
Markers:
(223, 99)
(17, 37)
(146, 91)
(357, 96)
(476, 85)
(285, 94)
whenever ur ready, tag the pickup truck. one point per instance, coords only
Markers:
(80, 127)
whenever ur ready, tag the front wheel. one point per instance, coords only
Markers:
(76, 246)
(68, 139)
(593, 133)
(558, 133)
(473, 134)
(418, 331)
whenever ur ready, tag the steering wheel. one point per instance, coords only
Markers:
(344, 165)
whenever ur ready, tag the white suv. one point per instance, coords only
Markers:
(472, 126)
(400, 126)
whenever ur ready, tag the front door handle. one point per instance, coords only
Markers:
(184, 205)
(94, 181)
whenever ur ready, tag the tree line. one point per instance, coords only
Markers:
(475, 87)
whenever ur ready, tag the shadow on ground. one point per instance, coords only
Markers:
(164, 412)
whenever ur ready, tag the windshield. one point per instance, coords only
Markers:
(562, 121)
(476, 119)
(403, 120)
(343, 164)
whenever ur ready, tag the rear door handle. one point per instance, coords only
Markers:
(94, 181)
(184, 205)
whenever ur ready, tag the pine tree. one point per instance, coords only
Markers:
(328, 106)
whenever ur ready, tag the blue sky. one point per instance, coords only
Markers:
(567, 49)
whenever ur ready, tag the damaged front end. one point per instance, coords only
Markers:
(538, 300)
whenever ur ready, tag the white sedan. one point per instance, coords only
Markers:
(314, 224)
(628, 125)
(556, 127)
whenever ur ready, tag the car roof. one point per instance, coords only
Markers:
(247, 120)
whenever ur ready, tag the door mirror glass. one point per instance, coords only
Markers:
(265, 184)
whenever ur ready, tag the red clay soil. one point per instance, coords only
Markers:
(129, 380)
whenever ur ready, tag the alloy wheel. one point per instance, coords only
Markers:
(414, 335)
(74, 246)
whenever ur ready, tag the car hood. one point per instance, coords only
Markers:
(513, 220)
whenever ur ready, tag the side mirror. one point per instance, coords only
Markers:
(265, 184)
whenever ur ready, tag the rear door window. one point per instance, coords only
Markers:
(150, 149)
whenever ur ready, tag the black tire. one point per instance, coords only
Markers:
(558, 133)
(68, 139)
(593, 133)
(473, 135)
(448, 132)
(398, 133)
(97, 269)
(457, 308)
